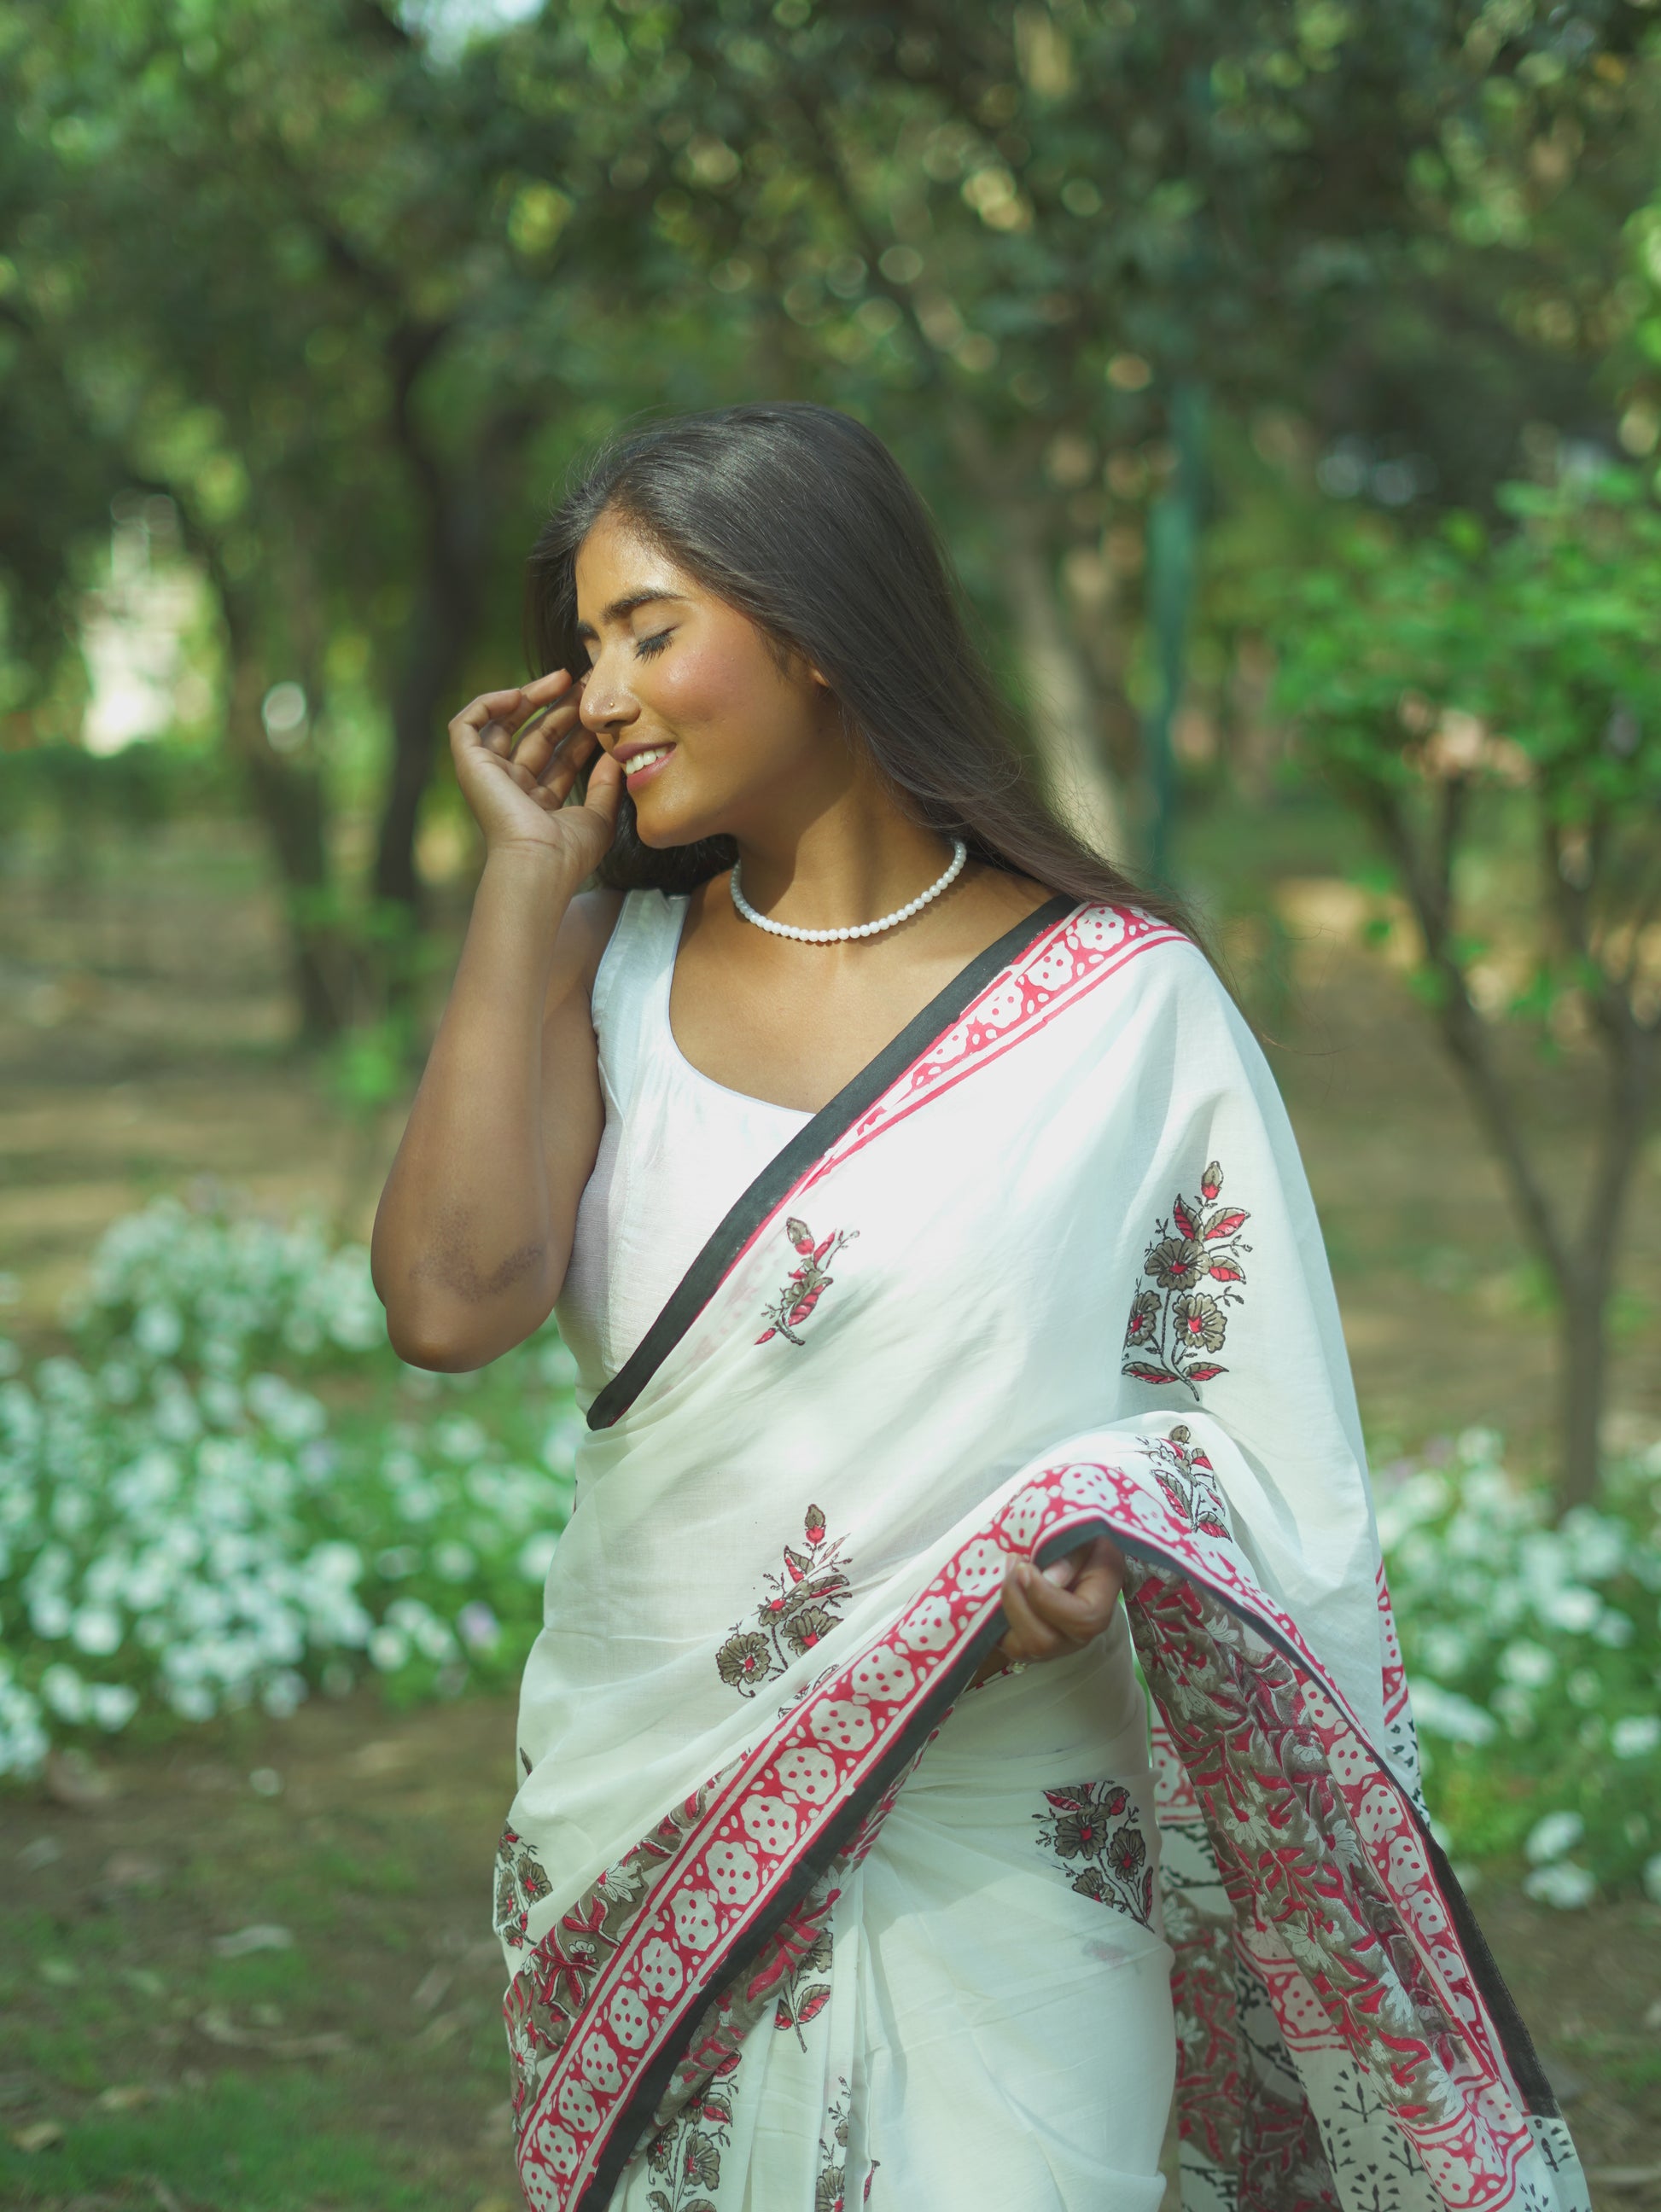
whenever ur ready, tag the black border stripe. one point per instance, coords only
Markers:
(625, 2137)
(703, 1278)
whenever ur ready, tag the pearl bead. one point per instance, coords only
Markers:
(960, 855)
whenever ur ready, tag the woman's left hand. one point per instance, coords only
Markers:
(1056, 1610)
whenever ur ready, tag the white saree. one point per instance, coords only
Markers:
(794, 1916)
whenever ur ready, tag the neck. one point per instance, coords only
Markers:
(854, 862)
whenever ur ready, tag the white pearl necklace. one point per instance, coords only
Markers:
(959, 855)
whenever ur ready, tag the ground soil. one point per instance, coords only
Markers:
(143, 1045)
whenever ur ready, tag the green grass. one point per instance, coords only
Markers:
(150, 2071)
(239, 2145)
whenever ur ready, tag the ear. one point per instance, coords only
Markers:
(817, 674)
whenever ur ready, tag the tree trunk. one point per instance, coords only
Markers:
(1582, 1351)
(288, 798)
(1061, 689)
(424, 696)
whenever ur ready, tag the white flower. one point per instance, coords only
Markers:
(1444, 1650)
(1529, 1665)
(461, 1438)
(157, 1329)
(112, 1705)
(1551, 1837)
(50, 1615)
(1596, 1543)
(1515, 1708)
(1445, 1713)
(453, 1561)
(283, 1693)
(536, 1556)
(1634, 1735)
(1573, 1607)
(477, 1626)
(64, 1692)
(1564, 1884)
(96, 1629)
(389, 1649)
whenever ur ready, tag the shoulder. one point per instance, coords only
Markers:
(1152, 972)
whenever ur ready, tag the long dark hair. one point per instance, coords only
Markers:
(801, 518)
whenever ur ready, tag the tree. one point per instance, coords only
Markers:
(1491, 703)
(1030, 243)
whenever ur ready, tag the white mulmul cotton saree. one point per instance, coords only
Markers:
(796, 1916)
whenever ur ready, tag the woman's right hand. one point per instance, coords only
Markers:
(517, 786)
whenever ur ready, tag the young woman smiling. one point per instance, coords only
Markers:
(887, 1159)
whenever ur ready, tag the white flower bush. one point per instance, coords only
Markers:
(1534, 1658)
(236, 1493)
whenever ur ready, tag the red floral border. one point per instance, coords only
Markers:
(1398, 1991)
(1084, 949)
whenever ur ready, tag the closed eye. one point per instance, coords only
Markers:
(646, 647)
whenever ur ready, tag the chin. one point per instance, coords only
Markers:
(666, 832)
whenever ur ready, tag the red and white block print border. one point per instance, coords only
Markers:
(1474, 2158)
(768, 1810)
(1083, 950)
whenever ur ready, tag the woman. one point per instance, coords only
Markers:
(937, 1264)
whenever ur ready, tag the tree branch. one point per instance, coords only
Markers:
(1429, 887)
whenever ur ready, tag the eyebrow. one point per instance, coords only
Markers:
(620, 609)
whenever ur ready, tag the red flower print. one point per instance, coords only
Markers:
(1187, 1477)
(805, 1284)
(1178, 1322)
(1098, 1843)
(803, 1603)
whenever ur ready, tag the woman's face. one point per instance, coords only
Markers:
(727, 740)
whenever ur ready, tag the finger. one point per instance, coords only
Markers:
(494, 715)
(604, 792)
(489, 707)
(540, 739)
(1101, 1576)
(574, 752)
(1065, 1613)
(1029, 1636)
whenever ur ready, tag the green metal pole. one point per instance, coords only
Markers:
(1173, 540)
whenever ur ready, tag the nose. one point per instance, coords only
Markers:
(606, 706)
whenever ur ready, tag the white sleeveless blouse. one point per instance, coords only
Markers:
(678, 1149)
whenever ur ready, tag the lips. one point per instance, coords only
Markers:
(641, 764)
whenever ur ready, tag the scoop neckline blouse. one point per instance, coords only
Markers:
(798, 1114)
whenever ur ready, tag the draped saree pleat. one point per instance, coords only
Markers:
(780, 1891)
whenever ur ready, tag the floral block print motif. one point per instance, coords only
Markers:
(830, 2187)
(801, 1947)
(521, 1882)
(806, 1990)
(684, 2158)
(808, 1281)
(552, 1988)
(1094, 1833)
(803, 1603)
(1194, 1261)
(1187, 1479)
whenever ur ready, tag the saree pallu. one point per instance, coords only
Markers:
(1047, 1269)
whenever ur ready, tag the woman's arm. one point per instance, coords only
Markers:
(473, 1233)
